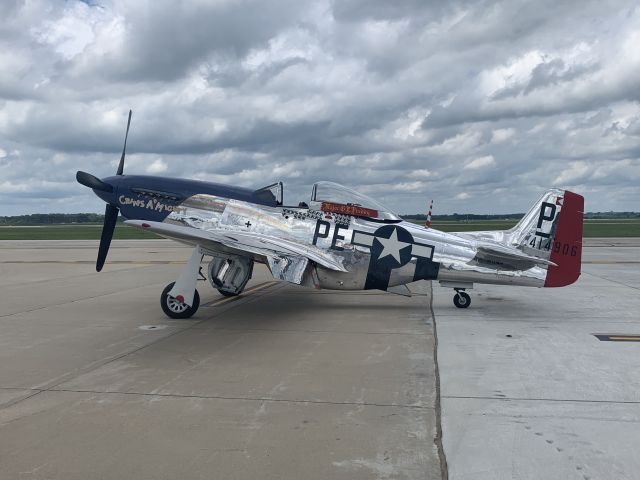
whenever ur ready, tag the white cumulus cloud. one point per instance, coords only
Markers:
(401, 100)
(480, 162)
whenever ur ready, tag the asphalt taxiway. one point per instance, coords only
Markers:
(283, 382)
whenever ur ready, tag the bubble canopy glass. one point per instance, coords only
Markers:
(334, 193)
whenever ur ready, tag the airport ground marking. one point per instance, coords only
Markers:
(619, 337)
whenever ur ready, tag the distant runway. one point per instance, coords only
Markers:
(283, 382)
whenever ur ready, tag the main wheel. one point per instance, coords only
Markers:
(228, 294)
(462, 300)
(174, 308)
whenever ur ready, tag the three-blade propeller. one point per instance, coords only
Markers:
(124, 149)
(111, 211)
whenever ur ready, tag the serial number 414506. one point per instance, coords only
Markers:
(558, 247)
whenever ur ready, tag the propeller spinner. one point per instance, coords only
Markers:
(111, 211)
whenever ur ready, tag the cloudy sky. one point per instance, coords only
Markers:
(478, 105)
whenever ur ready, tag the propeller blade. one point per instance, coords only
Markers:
(90, 181)
(124, 149)
(110, 218)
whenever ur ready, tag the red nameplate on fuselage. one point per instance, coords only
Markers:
(349, 210)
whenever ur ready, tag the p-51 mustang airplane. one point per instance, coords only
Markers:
(340, 240)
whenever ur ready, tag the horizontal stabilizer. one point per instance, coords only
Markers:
(509, 256)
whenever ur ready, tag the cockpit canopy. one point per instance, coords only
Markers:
(341, 199)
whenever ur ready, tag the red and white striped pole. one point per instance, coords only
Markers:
(427, 224)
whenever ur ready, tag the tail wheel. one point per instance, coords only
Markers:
(174, 308)
(462, 300)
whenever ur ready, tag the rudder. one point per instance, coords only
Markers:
(566, 251)
(552, 230)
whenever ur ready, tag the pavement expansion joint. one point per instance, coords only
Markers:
(88, 275)
(444, 470)
(51, 385)
(368, 293)
(21, 389)
(250, 399)
(612, 281)
(93, 297)
(542, 399)
(610, 262)
(293, 330)
(616, 245)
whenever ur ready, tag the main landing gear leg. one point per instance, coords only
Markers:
(180, 299)
(461, 299)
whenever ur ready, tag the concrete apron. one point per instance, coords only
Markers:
(528, 391)
(285, 383)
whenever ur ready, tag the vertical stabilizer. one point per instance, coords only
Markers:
(552, 230)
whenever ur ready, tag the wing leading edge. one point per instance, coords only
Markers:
(253, 243)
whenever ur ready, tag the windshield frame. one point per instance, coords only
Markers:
(361, 205)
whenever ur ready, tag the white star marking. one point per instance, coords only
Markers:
(392, 246)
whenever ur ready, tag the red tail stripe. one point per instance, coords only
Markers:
(568, 240)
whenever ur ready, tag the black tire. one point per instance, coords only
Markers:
(228, 294)
(175, 309)
(462, 300)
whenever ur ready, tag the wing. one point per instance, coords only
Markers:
(253, 243)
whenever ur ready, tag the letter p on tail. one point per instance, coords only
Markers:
(552, 230)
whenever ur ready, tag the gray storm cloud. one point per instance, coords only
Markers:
(478, 105)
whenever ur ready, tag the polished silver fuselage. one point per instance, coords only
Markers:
(447, 257)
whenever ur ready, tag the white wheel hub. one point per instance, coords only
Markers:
(175, 305)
